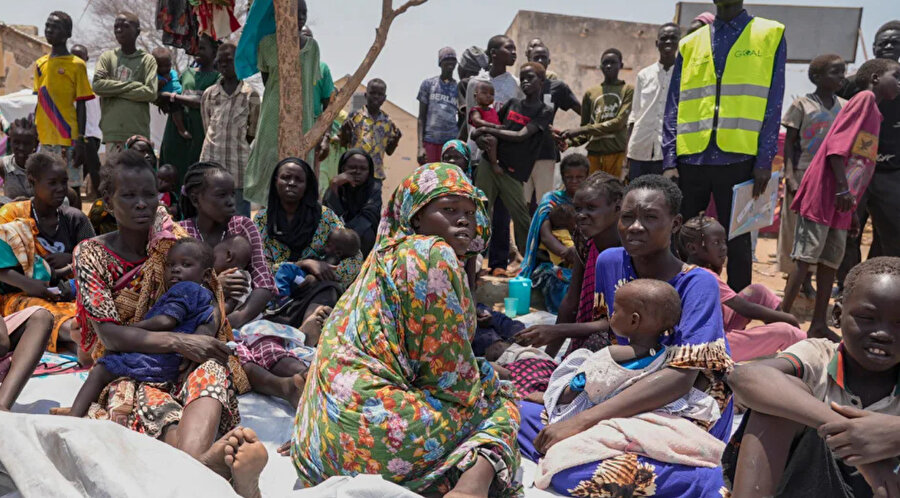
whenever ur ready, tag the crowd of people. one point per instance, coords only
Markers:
(364, 316)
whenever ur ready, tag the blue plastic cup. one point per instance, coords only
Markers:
(509, 306)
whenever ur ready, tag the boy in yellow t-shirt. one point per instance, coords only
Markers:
(62, 87)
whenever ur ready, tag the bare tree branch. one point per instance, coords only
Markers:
(323, 124)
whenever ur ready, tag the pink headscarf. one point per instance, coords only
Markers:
(705, 18)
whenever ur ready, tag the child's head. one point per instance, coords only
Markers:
(127, 27)
(644, 309)
(887, 41)
(47, 175)
(163, 58)
(529, 49)
(233, 252)
(128, 186)
(225, 60)
(80, 51)
(166, 177)
(562, 217)
(142, 144)
(882, 76)
(574, 170)
(484, 93)
(827, 72)
(667, 40)
(611, 63)
(869, 314)
(702, 241)
(208, 191)
(541, 55)
(58, 28)
(188, 260)
(531, 78)
(501, 51)
(23, 139)
(597, 203)
(376, 93)
(342, 243)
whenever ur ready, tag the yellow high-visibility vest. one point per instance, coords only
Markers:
(734, 105)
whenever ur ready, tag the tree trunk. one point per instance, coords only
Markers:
(290, 114)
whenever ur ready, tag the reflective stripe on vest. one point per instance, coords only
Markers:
(735, 105)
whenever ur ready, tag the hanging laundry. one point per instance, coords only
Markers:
(176, 20)
(215, 17)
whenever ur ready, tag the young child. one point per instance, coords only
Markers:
(23, 142)
(166, 177)
(167, 82)
(837, 177)
(801, 401)
(562, 223)
(604, 118)
(484, 114)
(702, 241)
(644, 310)
(187, 307)
(806, 123)
(233, 254)
(342, 243)
(371, 129)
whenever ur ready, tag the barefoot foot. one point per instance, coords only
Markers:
(296, 390)
(312, 326)
(246, 461)
(214, 458)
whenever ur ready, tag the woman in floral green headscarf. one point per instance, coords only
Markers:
(395, 388)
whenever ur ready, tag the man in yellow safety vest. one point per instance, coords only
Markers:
(722, 117)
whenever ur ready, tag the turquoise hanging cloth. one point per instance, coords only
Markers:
(260, 23)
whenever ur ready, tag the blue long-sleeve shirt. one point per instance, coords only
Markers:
(724, 34)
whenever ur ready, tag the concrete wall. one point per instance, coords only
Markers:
(576, 44)
(18, 52)
(399, 165)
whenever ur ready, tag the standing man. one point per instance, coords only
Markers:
(62, 87)
(529, 54)
(90, 161)
(882, 199)
(437, 109)
(125, 80)
(722, 119)
(645, 124)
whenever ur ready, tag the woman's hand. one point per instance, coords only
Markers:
(285, 449)
(570, 255)
(555, 433)
(36, 288)
(234, 283)
(319, 269)
(340, 180)
(865, 437)
(199, 348)
(536, 336)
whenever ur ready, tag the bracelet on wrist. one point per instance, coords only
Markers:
(847, 191)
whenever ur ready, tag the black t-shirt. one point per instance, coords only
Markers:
(557, 95)
(889, 136)
(518, 157)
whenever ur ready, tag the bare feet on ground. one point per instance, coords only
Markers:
(214, 458)
(296, 389)
(246, 459)
(312, 326)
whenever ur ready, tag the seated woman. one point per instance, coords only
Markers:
(294, 228)
(119, 275)
(37, 260)
(457, 152)
(102, 220)
(355, 196)
(209, 215)
(798, 439)
(550, 279)
(702, 241)
(597, 205)
(697, 357)
(395, 375)
(23, 338)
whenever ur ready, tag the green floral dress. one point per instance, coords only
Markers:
(277, 253)
(395, 388)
